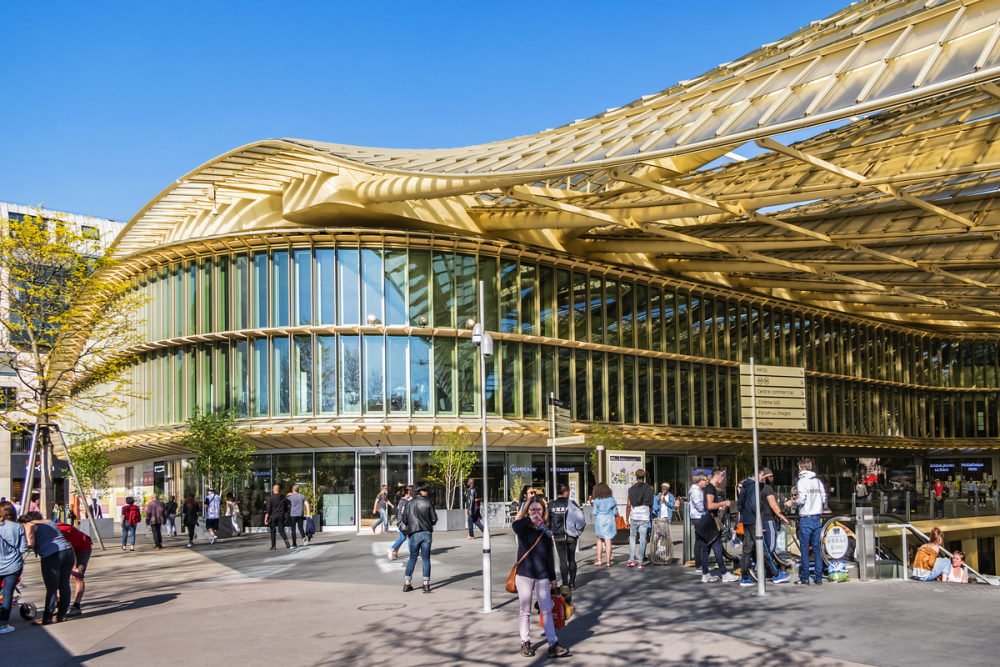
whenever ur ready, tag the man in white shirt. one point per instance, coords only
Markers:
(810, 496)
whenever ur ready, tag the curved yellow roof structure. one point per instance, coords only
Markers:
(883, 207)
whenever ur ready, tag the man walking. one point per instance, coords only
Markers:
(155, 517)
(709, 529)
(170, 514)
(419, 519)
(212, 507)
(297, 505)
(810, 496)
(748, 515)
(401, 504)
(275, 511)
(473, 508)
(638, 511)
(938, 495)
(566, 521)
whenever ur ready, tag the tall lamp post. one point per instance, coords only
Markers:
(484, 342)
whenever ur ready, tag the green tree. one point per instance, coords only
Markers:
(92, 465)
(68, 328)
(451, 462)
(607, 436)
(222, 455)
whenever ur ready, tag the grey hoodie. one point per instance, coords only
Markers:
(812, 495)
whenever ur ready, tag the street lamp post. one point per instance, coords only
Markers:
(485, 344)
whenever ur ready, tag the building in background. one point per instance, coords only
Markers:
(15, 446)
(631, 263)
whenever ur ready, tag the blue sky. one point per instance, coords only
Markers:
(107, 103)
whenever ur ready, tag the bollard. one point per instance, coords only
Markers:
(865, 546)
(688, 537)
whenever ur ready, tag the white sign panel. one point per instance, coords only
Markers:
(777, 424)
(779, 395)
(621, 473)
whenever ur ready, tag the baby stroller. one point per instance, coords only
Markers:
(27, 610)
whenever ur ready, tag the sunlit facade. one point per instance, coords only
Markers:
(325, 293)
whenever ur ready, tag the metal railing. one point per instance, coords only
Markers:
(904, 527)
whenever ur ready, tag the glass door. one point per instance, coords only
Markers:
(369, 484)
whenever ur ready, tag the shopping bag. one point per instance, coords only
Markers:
(558, 613)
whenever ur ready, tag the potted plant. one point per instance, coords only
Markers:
(451, 462)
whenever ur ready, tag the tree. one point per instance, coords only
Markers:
(451, 462)
(222, 455)
(68, 323)
(92, 465)
(607, 436)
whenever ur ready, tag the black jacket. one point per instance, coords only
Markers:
(277, 506)
(557, 517)
(420, 515)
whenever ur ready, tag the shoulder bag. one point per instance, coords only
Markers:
(511, 586)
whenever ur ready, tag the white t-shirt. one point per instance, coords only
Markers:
(696, 497)
(212, 507)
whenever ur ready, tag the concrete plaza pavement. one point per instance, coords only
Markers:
(339, 601)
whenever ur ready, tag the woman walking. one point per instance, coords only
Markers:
(189, 513)
(536, 573)
(13, 546)
(130, 519)
(605, 510)
(57, 562)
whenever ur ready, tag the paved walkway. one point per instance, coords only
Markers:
(339, 602)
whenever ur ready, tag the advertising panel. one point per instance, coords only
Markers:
(621, 473)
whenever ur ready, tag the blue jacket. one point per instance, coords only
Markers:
(671, 502)
(13, 546)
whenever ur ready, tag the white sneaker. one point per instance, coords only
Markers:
(729, 577)
(5, 629)
(388, 554)
(708, 578)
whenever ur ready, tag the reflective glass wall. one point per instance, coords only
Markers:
(379, 329)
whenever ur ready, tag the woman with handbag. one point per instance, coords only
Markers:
(535, 573)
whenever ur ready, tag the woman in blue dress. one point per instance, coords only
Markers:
(605, 510)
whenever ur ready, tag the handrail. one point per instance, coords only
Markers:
(903, 527)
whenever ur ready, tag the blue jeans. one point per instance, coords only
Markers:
(7, 590)
(473, 519)
(420, 544)
(383, 518)
(128, 532)
(641, 527)
(809, 534)
(941, 565)
(399, 541)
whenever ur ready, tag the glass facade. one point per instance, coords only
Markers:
(380, 330)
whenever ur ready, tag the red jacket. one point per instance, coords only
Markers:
(77, 539)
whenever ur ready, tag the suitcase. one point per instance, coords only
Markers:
(662, 546)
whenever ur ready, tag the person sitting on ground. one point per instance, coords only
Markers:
(957, 573)
(928, 564)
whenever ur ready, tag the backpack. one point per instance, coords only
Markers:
(575, 520)
(130, 515)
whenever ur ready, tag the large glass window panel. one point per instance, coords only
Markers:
(580, 307)
(177, 408)
(293, 469)
(642, 392)
(176, 292)
(581, 398)
(302, 286)
(628, 388)
(350, 383)
(372, 273)
(564, 305)
(508, 296)
(510, 359)
(492, 387)
(642, 317)
(241, 292)
(326, 286)
(444, 375)
(548, 356)
(468, 371)
(656, 318)
(222, 294)
(707, 332)
(206, 294)
(683, 324)
(191, 298)
(261, 378)
(597, 386)
(669, 309)
(420, 374)
(444, 289)
(546, 301)
(466, 290)
(659, 396)
(241, 378)
(395, 286)
(396, 366)
(488, 274)
(596, 307)
(563, 365)
(303, 378)
(529, 294)
(281, 401)
(670, 393)
(374, 365)
(326, 367)
(349, 285)
(335, 488)
(223, 392)
(529, 381)
(419, 276)
(614, 388)
(686, 414)
(258, 289)
(613, 314)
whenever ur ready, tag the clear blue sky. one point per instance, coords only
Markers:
(106, 103)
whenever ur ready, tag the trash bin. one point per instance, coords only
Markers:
(662, 547)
